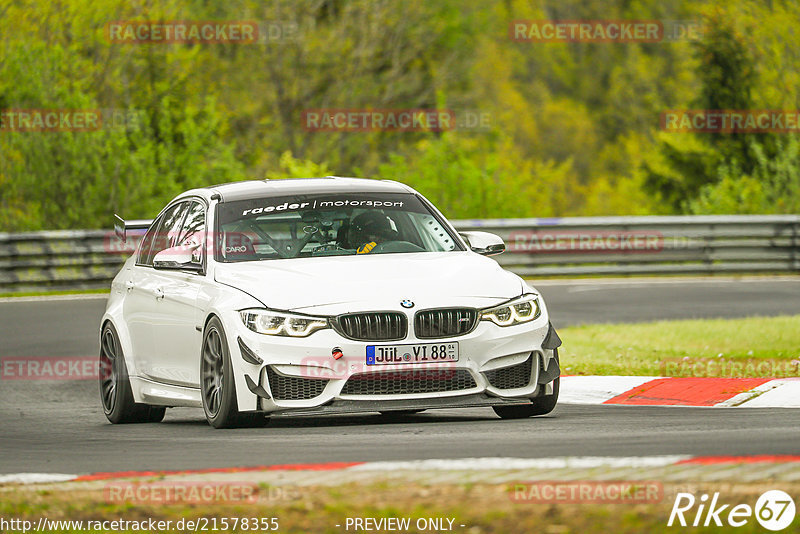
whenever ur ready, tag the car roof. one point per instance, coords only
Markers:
(275, 188)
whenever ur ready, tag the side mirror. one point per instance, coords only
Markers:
(184, 257)
(484, 243)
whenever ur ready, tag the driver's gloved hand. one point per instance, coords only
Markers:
(366, 249)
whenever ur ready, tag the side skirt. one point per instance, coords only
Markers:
(158, 394)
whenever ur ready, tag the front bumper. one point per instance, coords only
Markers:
(497, 366)
(340, 406)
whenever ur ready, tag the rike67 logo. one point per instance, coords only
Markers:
(774, 510)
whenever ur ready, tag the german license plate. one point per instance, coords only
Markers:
(420, 353)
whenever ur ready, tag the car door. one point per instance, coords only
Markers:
(143, 311)
(176, 314)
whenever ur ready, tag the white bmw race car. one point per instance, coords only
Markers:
(319, 296)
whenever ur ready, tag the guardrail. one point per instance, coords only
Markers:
(59, 260)
(615, 246)
(576, 246)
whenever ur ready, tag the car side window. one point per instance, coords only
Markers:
(165, 234)
(193, 231)
(147, 242)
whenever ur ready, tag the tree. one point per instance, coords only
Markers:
(686, 162)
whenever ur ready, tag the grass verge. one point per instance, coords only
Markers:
(686, 346)
(480, 508)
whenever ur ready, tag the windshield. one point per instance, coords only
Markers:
(301, 226)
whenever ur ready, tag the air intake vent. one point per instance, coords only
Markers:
(408, 382)
(294, 388)
(449, 322)
(516, 376)
(373, 326)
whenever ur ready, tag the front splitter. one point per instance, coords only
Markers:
(342, 406)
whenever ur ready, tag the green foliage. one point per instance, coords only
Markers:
(574, 127)
(772, 187)
(72, 179)
(728, 73)
(78, 179)
(290, 167)
(463, 181)
(732, 173)
(683, 164)
(688, 162)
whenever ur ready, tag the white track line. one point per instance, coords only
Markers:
(47, 298)
(35, 478)
(489, 464)
(781, 393)
(463, 464)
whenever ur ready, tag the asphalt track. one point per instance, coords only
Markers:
(58, 426)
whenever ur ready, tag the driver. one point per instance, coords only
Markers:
(369, 229)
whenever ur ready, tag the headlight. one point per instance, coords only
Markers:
(521, 310)
(275, 323)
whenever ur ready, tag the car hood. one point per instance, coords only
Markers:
(341, 284)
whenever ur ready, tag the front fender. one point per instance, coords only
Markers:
(227, 301)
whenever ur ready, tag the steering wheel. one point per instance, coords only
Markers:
(291, 249)
(285, 250)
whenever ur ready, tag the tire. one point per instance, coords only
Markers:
(217, 385)
(116, 395)
(538, 406)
